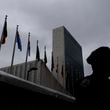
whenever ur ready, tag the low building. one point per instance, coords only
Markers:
(37, 72)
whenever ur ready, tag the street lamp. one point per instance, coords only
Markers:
(31, 69)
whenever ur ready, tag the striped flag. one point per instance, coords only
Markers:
(4, 33)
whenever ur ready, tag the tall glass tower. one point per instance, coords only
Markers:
(68, 60)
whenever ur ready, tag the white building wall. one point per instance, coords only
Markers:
(41, 76)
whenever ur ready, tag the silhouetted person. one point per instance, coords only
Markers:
(94, 89)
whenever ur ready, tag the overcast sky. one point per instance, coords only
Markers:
(87, 20)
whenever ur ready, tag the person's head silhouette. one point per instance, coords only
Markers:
(94, 89)
(100, 62)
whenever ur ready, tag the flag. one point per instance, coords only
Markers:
(45, 56)
(37, 52)
(18, 40)
(28, 45)
(27, 54)
(57, 66)
(52, 62)
(4, 32)
(62, 72)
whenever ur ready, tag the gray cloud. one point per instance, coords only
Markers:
(88, 21)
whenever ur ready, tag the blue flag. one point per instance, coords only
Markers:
(18, 41)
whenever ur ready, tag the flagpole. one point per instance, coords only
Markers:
(11, 69)
(25, 72)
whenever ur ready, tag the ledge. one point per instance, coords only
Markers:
(23, 89)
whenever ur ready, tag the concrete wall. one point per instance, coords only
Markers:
(40, 76)
(47, 79)
(58, 54)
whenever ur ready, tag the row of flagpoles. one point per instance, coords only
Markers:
(19, 44)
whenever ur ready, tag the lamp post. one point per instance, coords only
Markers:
(31, 69)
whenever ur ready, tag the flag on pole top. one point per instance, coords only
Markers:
(4, 32)
(37, 52)
(29, 47)
(18, 40)
(45, 56)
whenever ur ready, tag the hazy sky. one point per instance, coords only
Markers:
(87, 20)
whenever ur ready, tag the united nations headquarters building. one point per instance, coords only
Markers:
(37, 85)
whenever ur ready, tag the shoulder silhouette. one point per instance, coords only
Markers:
(94, 89)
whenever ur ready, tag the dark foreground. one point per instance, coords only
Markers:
(19, 94)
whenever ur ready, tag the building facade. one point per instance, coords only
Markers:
(41, 75)
(68, 59)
